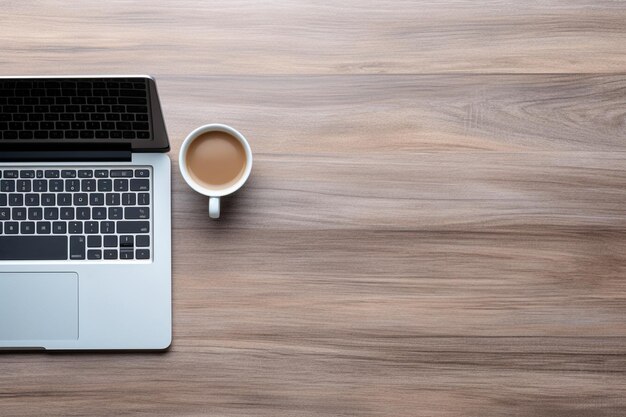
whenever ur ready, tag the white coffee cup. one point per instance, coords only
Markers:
(214, 194)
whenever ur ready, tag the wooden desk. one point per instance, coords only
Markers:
(435, 224)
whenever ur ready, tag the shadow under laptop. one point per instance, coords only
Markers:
(42, 351)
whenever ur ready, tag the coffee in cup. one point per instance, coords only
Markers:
(215, 160)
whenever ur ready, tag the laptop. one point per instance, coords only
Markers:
(85, 232)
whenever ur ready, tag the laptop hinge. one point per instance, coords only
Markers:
(51, 152)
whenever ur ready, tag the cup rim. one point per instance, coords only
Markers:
(214, 127)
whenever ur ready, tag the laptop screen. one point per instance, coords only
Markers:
(82, 110)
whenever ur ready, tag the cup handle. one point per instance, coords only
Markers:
(214, 207)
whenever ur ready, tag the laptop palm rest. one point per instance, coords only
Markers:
(38, 306)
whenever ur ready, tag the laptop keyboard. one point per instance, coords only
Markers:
(80, 214)
(74, 108)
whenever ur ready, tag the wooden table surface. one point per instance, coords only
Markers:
(435, 224)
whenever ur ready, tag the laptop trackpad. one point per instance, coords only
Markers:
(38, 306)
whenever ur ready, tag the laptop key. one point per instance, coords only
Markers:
(91, 227)
(99, 213)
(126, 254)
(64, 199)
(80, 199)
(94, 254)
(35, 213)
(133, 227)
(142, 254)
(132, 213)
(96, 199)
(113, 199)
(56, 186)
(77, 247)
(115, 213)
(67, 213)
(75, 228)
(127, 173)
(88, 185)
(139, 184)
(110, 241)
(32, 199)
(120, 185)
(26, 248)
(51, 213)
(16, 199)
(72, 185)
(11, 228)
(48, 199)
(129, 199)
(110, 254)
(18, 213)
(83, 213)
(59, 228)
(43, 228)
(23, 186)
(142, 241)
(27, 228)
(126, 241)
(7, 186)
(107, 227)
(40, 186)
(105, 185)
(94, 241)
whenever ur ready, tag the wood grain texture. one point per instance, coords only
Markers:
(313, 37)
(435, 224)
(404, 114)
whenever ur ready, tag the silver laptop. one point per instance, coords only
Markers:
(85, 245)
